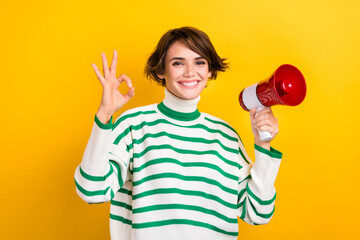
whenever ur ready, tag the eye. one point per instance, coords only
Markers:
(200, 62)
(177, 63)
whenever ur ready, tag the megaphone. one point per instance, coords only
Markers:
(286, 86)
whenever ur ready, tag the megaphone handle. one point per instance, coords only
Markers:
(264, 135)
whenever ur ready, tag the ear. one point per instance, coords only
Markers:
(209, 74)
(161, 76)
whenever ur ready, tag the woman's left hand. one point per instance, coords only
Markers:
(263, 120)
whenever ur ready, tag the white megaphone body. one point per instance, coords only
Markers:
(286, 86)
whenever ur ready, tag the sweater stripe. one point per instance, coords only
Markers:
(248, 177)
(96, 178)
(243, 204)
(122, 135)
(187, 164)
(185, 139)
(185, 178)
(263, 215)
(121, 219)
(185, 151)
(91, 193)
(185, 192)
(163, 121)
(241, 193)
(121, 204)
(116, 165)
(243, 156)
(261, 202)
(125, 191)
(131, 115)
(240, 204)
(182, 221)
(224, 124)
(184, 207)
(117, 157)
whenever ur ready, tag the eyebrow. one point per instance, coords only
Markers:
(180, 58)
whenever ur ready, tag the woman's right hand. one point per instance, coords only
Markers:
(112, 99)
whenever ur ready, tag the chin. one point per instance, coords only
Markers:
(189, 94)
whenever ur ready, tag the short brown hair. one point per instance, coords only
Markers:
(194, 39)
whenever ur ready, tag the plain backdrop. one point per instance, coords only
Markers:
(50, 94)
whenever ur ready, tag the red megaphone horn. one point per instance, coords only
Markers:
(286, 86)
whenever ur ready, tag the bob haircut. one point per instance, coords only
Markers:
(194, 39)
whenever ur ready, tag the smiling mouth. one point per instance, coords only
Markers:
(189, 83)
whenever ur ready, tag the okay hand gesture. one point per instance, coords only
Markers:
(112, 99)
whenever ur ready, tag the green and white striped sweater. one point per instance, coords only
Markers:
(172, 172)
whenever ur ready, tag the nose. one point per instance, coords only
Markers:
(189, 71)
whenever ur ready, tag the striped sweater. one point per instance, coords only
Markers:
(172, 172)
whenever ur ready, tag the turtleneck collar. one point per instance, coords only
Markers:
(178, 108)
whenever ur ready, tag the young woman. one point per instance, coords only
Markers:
(170, 171)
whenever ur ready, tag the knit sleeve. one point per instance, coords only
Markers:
(105, 164)
(256, 191)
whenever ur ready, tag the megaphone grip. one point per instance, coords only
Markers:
(265, 136)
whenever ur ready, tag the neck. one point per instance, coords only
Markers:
(178, 108)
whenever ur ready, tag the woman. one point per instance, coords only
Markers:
(170, 171)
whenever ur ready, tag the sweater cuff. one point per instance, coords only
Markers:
(103, 125)
(264, 172)
(95, 159)
(272, 153)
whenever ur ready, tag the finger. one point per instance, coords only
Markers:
(113, 64)
(272, 131)
(124, 77)
(98, 74)
(262, 122)
(257, 113)
(105, 66)
(269, 126)
(270, 120)
(130, 93)
(264, 110)
(266, 128)
(263, 116)
(252, 113)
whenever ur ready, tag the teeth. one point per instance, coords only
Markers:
(188, 83)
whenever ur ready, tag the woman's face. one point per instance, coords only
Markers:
(186, 72)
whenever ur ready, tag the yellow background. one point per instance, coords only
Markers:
(50, 94)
